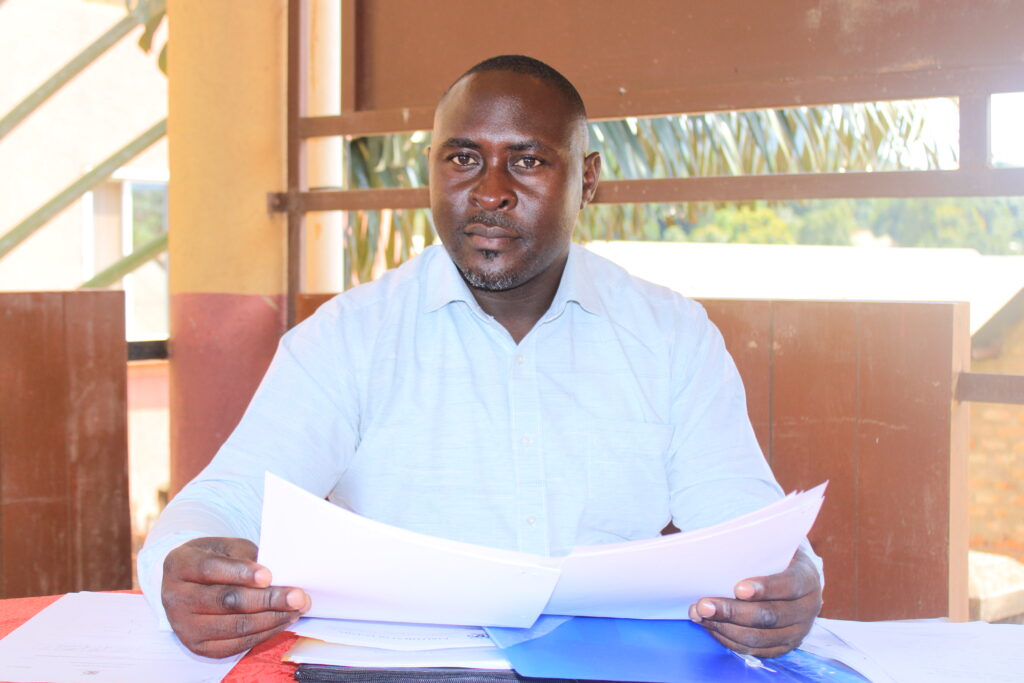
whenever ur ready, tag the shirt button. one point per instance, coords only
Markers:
(526, 441)
(531, 520)
(520, 359)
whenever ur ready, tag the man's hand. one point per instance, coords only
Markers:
(770, 615)
(220, 602)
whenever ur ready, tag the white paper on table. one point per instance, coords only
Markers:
(356, 568)
(660, 578)
(938, 651)
(823, 643)
(103, 637)
(309, 651)
(391, 636)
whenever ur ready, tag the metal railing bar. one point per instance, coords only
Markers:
(62, 200)
(137, 16)
(111, 274)
(147, 350)
(984, 387)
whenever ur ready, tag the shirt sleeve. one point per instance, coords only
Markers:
(716, 469)
(302, 425)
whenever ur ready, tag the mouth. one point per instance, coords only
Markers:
(489, 237)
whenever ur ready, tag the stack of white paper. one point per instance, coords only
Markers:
(370, 644)
(372, 571)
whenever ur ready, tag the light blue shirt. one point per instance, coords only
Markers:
(404, 401)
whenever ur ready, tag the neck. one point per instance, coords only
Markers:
(519, 309)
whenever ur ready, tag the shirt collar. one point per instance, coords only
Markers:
(577, 286)
(444, 285)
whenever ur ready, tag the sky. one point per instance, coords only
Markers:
(1008, 129)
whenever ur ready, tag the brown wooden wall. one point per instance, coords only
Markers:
(861, 394)
(651, 57)
(64, 521)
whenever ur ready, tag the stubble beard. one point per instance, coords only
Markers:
(477, 278)
(500, 281)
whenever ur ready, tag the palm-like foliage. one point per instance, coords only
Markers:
(835, 138)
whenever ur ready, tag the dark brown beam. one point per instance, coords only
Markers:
(985, 387)
(974, 133)
(349, 52)
(365, 200)
(777, 94)
(982, 183)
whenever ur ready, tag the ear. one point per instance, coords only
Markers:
(591, 174)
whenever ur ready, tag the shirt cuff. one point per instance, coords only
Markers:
(150, 565)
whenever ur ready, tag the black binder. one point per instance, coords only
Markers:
(330, 674)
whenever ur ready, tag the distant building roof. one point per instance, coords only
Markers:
(755, 271)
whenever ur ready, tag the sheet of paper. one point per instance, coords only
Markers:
(309, 651)
(356, 568)
(390, 635)
(102, 637)
(938, 651)
(661, 578)
(823, 643)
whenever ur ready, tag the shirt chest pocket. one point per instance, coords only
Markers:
(627, 481)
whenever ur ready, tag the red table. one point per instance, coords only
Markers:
(263, 663)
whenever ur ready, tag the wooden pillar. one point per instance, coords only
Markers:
(227, 149)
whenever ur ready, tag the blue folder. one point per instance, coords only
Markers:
(648, 651)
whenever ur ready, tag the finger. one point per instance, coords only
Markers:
(759, 615)
(211, 566)
(762, 649)
(225, 647)
(235, 626)
(800, 578)
(226, 599)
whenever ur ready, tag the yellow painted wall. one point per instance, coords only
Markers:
(227, 131)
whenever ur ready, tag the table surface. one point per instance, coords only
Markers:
(263, 663)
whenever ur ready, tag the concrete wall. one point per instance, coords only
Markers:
(114, 100)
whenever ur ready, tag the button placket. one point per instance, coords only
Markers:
(525, 427)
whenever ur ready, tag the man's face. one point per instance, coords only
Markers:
(508, 177)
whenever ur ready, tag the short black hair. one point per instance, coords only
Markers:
(521, 64)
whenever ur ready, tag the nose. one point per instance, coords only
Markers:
(494, 189)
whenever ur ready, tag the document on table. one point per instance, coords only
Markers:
(102, 637)
(356, 568)
(390, 635)
(309, 651)
(937, 651)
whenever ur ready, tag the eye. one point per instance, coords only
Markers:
(462, 159)
(527, 162)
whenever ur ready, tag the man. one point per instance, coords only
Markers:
(510, 389)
